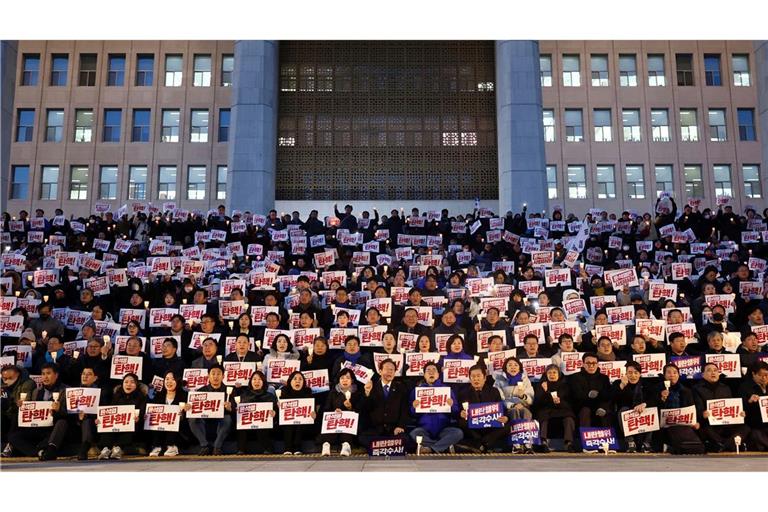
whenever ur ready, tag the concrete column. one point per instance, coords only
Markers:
(253, 144)
(522, 164)
(8, 50)
(760, 79)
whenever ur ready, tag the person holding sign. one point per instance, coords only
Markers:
(343, 397)
(200, 427)
(242, 352)
(256, 391)
(170, 361)
(132, 393)
(434, 429)
(45, 442)
(133, 348)
(477, 391)
(172, 394)
(717, 438)
(629, 393)
(208, 359)
(281, 348)
(552, 402)
(352, 355)
(752, 391)
(14, 385)
(385, 404)
(88, 379)
(516, 390)
(672, 394)
(295, 435)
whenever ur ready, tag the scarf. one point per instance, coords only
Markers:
(512, 380)
(352, 358)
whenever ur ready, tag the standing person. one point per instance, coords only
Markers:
(434, 428)
(129, 393)
(256, 391)
(485, 439)
(343, 397)
(295, 435)
(200, 426)
(45, 442)
(172, 394)
(552, 401)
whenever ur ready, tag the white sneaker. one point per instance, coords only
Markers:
(326, 450)
(287, 453)
(117, 453)
(104, 455)
(298, 453)
(171, 451)
(346, 450)
(155, 451)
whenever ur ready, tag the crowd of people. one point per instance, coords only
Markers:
(467, 333)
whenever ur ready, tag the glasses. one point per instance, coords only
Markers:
(591, 363)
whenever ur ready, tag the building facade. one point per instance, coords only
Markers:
(306, 124)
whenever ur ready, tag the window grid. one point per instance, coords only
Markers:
(722, 180)
(221, 183)
(196, 183)
(664, 181)
(198, 126)
(753, 188)
(660, 125)
(25, 125)
(635, 181)
(552, 181)
(577, 182)
(174, 65)
(171, 124)
(30, 69)
(108, 182)
(19, 182)
(54, 131)
(694, 186)
(166, 188)
(606, 182)
(83, 125)
(78, 183)
(145, 67)
(202, 71)
(137, 183)
(49, 182)
(87, 70)
(116, 72)
(631, 125)
(545, 66)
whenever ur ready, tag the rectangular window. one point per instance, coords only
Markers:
(141, 125)
(112, 122)
(221, 182)
(722, 178)
(635, 182)
(684, 64)
(660, 125)
(83, 125)
(552, 181)
(574, 129)
(25, 124)
(606, 182)
(577, 182)
(19, 181)
(571, 71)
(289, 78)
(202, 76)
(59, 66)
(753, 187)
(746, 124)
(227, 70)
(712, 69)
(108, 182)
(196, 182)
(145, 68)
(54, 129)
(224, 125)
(49, 182)
(656, 71)
(602, 120)
(137, 183)
(599, 68)
(664, 181)
(717, 131)
(30, 68)
(171, 123)
(173, 70)
(88, 70)
(628, 70)
(740, 63)
(694, 186)
(116, 69)
(549, 125)
(199, 126)
(545, 68)
(630, 119)
(166, 188)
(689, 128)
(78, 183)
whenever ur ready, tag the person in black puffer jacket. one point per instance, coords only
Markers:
(256, 391)
(130, 392)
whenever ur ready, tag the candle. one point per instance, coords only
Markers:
(22, 396)
(465, 405)
(229, 390)
(146, 304)
(554, 394)
(106, 339)
(45, 297)
(667, 384)
(182, 405)
(310, 349)
(183, 301)
(237, 400)
(54, 355)
(55, 396)
(45, 334)
(76, 354)
(278, 393)
(218, 359)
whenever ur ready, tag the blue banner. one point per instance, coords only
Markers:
(689, 366)
(524, 432)
(485, 415)
(593, 438)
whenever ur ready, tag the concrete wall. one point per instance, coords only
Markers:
(761, 80)
(8, 50)
(522, 176)
(326, 207)
(253, 148)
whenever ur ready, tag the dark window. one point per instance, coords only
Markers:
(59, 65)
(224, 125)
(684, 62)
(116, 72)
(87, 70)
(30, 68)
(112, 119)
(712, 69)
(141, 125)
(746, 124)
(19, 182)
(145, 66)
(25, 124)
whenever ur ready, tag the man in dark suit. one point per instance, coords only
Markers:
(384, 405)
